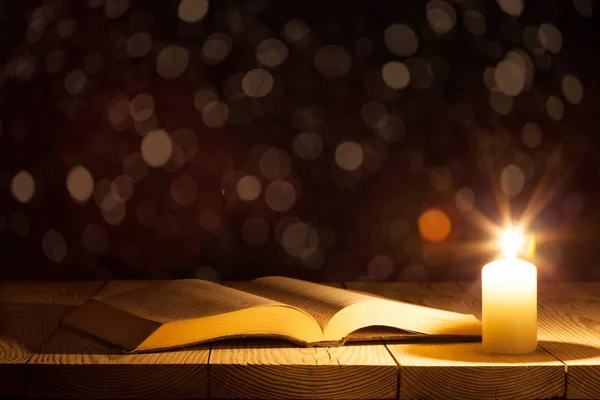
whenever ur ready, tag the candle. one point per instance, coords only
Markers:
(509, 293)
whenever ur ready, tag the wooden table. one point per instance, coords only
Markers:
(40, 359)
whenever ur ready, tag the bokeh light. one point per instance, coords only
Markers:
(434, 225)
(465, 200)
(274, 164)
(512, 180)
(474, 22)
(532, 135)
(296, 31)
(349, 155)
(249, 188)
(401, 39)
(139, 44)
(332, 61)
(157, 148)
(216, 47)
(308, 145)
(280, 195)
(22, 186)
(95, 239)
(226, 140)
(113, 209)
(215, 114)
(441, 178)
(54, 246)
(572, 89)
(555, 108)
(115, 8)
(396, 75)
(192, 10)
(172, 61)
(142, 107)
(584, 7)
(294, 235)
(257, 83)
(512, 7)
(75, 81)
(271, 53)
(80, 183)
(510, 77)
(440, 16)
(380, 267)
(550, 37)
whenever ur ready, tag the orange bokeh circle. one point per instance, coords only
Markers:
(434, 225)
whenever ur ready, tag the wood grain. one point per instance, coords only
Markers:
(266, 369)
(463, 371)
(585, 290)
(72, 365)
(570, 330)
(66, 364)
(270, 370)
(56, 293)
(29, 313)
(22, 329)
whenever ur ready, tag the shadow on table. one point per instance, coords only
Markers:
(24, 327)
(36, 328)
(473, 352)
(565, 351)
(67, 340)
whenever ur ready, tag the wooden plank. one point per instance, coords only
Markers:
(570, 330)
(584, 290)
(22, 329)
(270, 370)
(54, 293)
(29, 313)
(71, 365)
(464, 371)
(266, 369)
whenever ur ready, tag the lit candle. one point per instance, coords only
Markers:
(509, 293)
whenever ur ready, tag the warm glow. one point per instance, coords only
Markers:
(511, 242)
(434, 225)
(531, 246)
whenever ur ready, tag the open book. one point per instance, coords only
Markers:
(184, 312)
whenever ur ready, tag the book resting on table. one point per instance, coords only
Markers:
(185, 312)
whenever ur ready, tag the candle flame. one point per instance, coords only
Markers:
(512, 242)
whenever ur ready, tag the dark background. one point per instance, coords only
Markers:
(458, 138)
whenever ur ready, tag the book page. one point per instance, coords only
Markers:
(182, 300)
(340, 312)
(320, 301)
